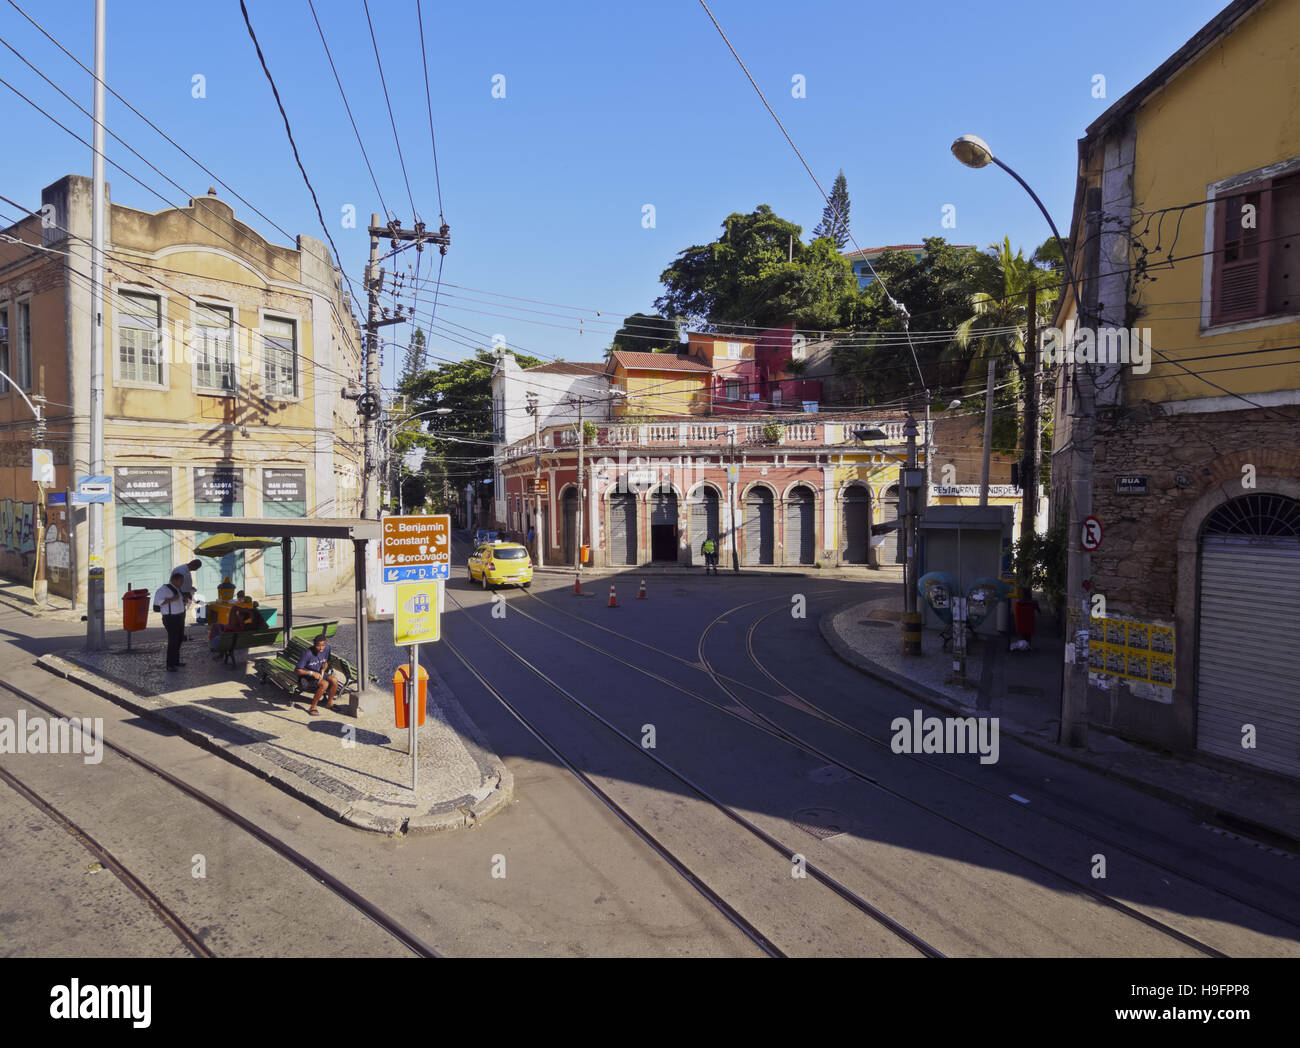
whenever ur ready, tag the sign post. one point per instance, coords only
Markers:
(415, 553)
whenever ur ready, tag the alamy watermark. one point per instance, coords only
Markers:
(53, 735)
(1103, 345)
(923, 734)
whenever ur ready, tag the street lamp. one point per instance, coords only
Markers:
(974, 152)
(392, 433)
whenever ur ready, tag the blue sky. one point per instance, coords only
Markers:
(607, 108)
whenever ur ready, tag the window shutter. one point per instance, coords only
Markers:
(1241, 265)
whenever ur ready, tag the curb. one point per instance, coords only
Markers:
(1230, 820)
(464, 811)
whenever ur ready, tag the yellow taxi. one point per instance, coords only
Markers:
(500, 564)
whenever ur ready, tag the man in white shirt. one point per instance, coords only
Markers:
(170, 602)
(187, 589)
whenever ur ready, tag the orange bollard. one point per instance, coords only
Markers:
(613, 600)
(577, 586)
(641, 592)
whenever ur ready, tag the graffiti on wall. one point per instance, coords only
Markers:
(17, 526)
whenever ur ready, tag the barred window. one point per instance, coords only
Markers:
(4, 348)
(139, 337)
(214, 365)
(279, 356)
(22, 342)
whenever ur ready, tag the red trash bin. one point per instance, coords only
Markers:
(400, 678)
(135, 610)
(1024, 613)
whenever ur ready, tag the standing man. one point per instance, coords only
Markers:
(186, 572)
(532, 537)
(710, 551)
(170, 602)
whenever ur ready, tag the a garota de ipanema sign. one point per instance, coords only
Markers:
(415, 548)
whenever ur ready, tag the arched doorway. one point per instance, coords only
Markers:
(800, 526)
(1248, 647)
(569, 515)
(704, 522)
(760, 538)
(857, 518)
(622, 528)
(663, 525)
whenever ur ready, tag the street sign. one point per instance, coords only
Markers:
(1091, 537)
(94, 489)
(1131, 484)
(415, 618)
(42, 466)
(417, 573)
(421, 541)
(539, 485)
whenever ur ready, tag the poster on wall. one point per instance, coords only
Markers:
(1137, 651)
(142, 485)
(324, 554)
(218, 484)
(284, 485)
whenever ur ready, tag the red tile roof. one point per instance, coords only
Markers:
(657, 361)
(873, 251)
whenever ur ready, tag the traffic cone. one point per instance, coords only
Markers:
(613, 600)
(577, 586)
(641, 592)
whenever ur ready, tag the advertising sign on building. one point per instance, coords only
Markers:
(218, 484)
(143, 485)
(284, 485)
(1137, 651)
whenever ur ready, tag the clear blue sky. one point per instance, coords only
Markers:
(608, 107)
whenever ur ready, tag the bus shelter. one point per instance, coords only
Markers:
(355, 529)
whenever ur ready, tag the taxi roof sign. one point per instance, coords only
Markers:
(415, 540)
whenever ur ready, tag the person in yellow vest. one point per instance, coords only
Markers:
(710, 551)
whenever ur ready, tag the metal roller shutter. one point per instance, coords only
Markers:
(760, 543)
(857, 506)
(570, 517)
(622, 529)
(799, 529)
(703, 523)
(1248, 656)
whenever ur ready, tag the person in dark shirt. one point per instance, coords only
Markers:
(315, 664)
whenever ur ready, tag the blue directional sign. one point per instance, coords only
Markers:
(417, 572)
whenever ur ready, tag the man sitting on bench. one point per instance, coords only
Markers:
(315, 664)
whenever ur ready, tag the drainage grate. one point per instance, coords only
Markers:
(822, 823)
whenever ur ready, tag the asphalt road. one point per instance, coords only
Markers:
(738, 700)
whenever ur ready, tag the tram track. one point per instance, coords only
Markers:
(188, 936)
(814, 872)
(791, 738)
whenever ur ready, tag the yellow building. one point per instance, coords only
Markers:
(667, 384)
(224, 357)
(1185, 238)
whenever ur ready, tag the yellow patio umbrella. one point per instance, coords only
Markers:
(225, 543)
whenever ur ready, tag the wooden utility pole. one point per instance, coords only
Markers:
(1030, 464)
(370, 403)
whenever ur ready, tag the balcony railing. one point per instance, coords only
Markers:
(717, 434)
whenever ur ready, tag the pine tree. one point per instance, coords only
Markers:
(835, 215)
(413, 366)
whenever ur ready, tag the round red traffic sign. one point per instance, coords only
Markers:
(1091, 535)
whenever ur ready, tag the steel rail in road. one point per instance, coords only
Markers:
(824, 714)
(823, 878)
(286, 851)
(813, 749)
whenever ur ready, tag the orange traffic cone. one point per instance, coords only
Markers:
(641, 592)
(577, 586)
(613, 600)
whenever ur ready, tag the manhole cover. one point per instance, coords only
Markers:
(822, 823)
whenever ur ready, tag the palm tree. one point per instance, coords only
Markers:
(998, 324)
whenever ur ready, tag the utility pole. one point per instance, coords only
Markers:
(1033, 451)
(988, 433)
(1074, 686)
(531, 397)
(731, 498)
(911, 618)
(95, 537)
(582, 487)
(371, 402)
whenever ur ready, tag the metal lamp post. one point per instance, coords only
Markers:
(974, 152)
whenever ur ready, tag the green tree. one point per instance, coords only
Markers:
(758, 273)
(647, 333)
(834, 225)
(415, 361)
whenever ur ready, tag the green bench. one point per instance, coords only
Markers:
(282, 669)
(229, 643)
